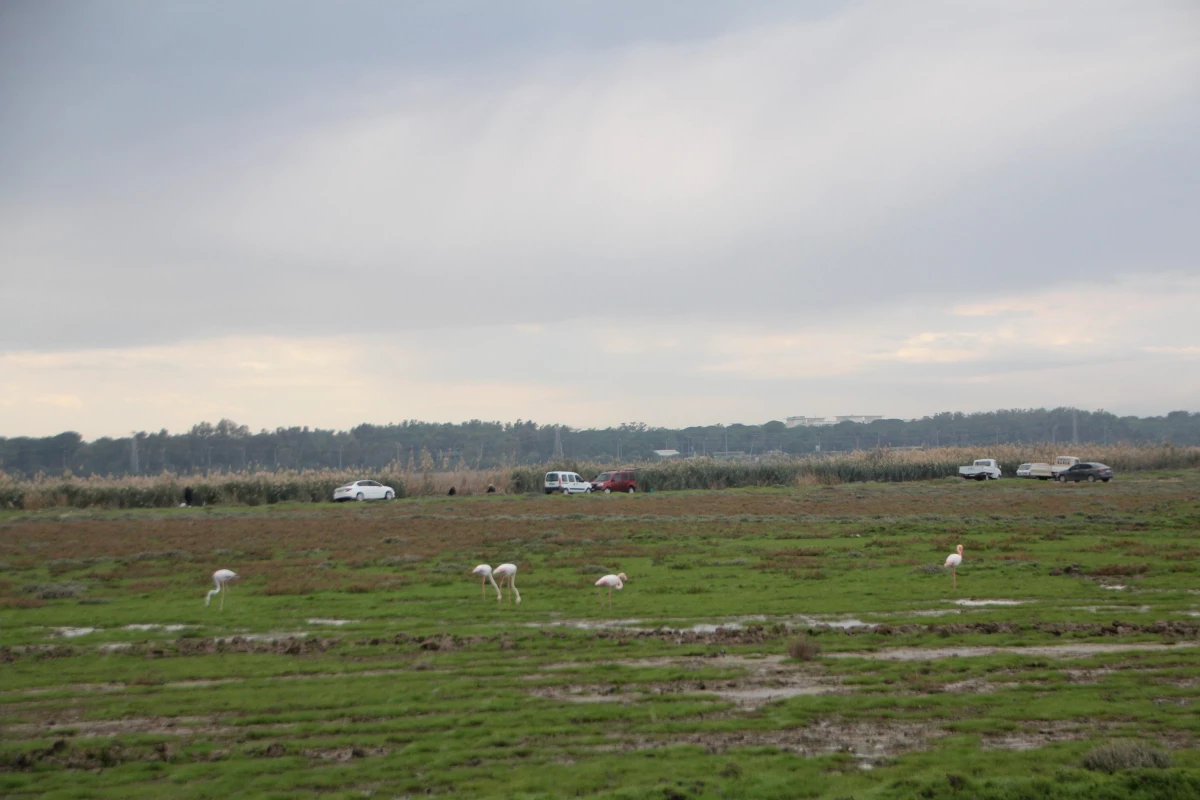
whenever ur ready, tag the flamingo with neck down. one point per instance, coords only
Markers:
(484, 572)
(612, 582)
(221, 579)
(509, 572)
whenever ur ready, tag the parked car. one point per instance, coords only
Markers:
(1037, 469)
(567, 483)
(363, 490)
(1090, 471)
(1063, 463)
(621, 480)
(983, 469)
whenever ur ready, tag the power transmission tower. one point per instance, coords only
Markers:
(558, 451)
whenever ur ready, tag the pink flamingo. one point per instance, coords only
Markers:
(952, 561)
(612, 582)
(221, 579)
(485, 573)
(509, 572)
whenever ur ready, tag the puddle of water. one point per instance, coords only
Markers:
(1051, 651)
(936, 612)
(588, 624)
(200, 683)
(1119, 609)
(734, 624)
(845, 623)
(973, 603)
(335, 622)
(761, 695)
(1115, 587)
(1189, 613)
(150, 626)
(262, 637)
(71, 633)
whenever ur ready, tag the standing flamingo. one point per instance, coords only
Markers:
(485, 573)
(952, 561)
(612, 582)
(221, 578)
(509, 571)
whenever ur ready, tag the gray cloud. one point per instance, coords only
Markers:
(231, 170)
(756, 194)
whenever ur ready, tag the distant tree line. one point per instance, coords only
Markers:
(229, 447)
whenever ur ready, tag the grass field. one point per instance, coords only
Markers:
(356, 658)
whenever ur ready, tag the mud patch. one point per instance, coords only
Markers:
(1037, 735)
(1047, 651)
(342, 755)
(863, 740)
(160, 726)
(764, 680)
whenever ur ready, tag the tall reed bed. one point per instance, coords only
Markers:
(315, 486)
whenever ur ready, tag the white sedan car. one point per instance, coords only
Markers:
(363, 490)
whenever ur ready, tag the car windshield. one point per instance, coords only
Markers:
(604, 476)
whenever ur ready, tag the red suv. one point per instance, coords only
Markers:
(622, 480)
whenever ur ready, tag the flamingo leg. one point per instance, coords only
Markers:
(954, 575)
(222, 599)
(483, 588)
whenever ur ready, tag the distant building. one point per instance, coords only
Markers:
(806, 422)
(858, 418)
(666, 453)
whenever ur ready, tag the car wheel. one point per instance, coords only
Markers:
(631, 490)
(608, 491)
(981, 477)
(1062, 478)
(1091, 478)
(359, 497)
(1106, 480)
(388, 496)
(587, 490)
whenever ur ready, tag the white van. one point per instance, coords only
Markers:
(567, 483)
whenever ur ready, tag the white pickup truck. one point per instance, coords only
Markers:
(983, 469)
(1062, 463)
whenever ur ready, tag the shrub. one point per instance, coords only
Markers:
(803, 649)
(55, 591)
(1125, 754)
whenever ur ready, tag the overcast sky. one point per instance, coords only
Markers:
(312, 213)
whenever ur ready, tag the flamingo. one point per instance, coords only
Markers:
(612, 582)
(509, 571)
(952, 561)
(220, 579)
(485, 573)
